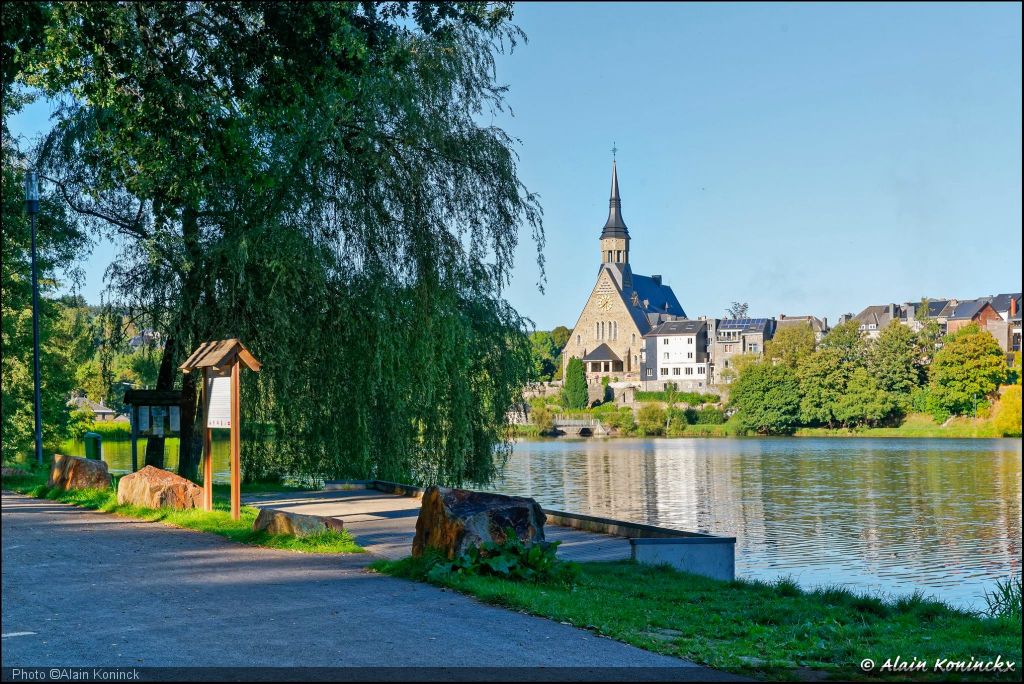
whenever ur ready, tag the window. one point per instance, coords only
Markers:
(689, 355)
(618, 256)
(634, 338)
(675, 371)
(609, 256)
(700, 370)
(689, 340)
(665, 356)
(578, 339)
(664, 371)
(689, 370)
(753, 348)
(664, 340)
(650, 372)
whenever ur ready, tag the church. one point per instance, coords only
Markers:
(622, 308)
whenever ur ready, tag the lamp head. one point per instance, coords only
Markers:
(32, 192)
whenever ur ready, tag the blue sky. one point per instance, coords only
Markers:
(802, 158)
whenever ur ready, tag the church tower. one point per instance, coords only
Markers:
(615, 236)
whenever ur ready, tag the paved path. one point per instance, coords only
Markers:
(385, 524)
(84, 588)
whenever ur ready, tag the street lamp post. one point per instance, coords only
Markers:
(32, 207)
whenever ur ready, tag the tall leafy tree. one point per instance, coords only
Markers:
(314, 179)
(790, 345)
(894, 360)
(545, 355)
(560, 334)
(863, 401)
(823, 377)
(574, 391)
(968, 368)
(767, 399)
(848, 340)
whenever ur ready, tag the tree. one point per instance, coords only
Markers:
(929, 339)
(767, 399)
(312, 178)
(560, 335)
(545, 355)
(738, 310)
(968, 368)
(847, 339)
(863, 402)
(894, 360)
(823, 378)
(790, 345)
(1008, 412)
(574, 392)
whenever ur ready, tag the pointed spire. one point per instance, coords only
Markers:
(615, 226)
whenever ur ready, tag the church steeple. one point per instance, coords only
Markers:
(615, 236)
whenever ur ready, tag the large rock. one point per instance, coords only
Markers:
(273, 521)
(452, 520)
(155, 488)
(72, 472)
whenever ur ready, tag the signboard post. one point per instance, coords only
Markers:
(153, 413)
(221, 361)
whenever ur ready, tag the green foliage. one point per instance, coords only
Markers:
(1005, 600)
(543, 418)
(790, 345)
(894, 360)
(545, 355)
(574, 391)
(1007, 417)
(315, 180)
(823, 377)
(560, 335)
(767, 399)
(848, 341)
(62, 334)
(863, 401)
(709, 415)
(651, 420)
(968, 368)
(691, 398)
(511, 559)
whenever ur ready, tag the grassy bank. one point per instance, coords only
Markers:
(915, 425)
(217, 521)
(775, 631)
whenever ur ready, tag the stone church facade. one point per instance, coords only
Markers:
(622, 307)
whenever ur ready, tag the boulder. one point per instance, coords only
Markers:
(155, 488)
(72, 472)
(273, 521)
(452, 520)
(13, 472)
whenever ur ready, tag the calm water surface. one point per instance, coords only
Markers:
(886, 515)
(892, 516)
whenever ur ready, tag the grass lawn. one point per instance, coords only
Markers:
(914, 425)
(217, 521)
(773, 631)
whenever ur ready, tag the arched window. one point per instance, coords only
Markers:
(609, 256)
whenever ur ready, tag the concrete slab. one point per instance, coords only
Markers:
(385, 524)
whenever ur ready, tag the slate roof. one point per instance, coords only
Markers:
(615, 227)
(936, 307)
(89, 404)
(968, 309)
(1001, 302)
(816, 324)
(685, 327)
(876, 314)
(659, 297)
(602, 353)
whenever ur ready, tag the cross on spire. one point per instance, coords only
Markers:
(614, 150)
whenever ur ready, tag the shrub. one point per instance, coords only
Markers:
(511, 559)
(651, 420)
(1005, 600)
(574, 392)
(709, 415)
(1008, 412)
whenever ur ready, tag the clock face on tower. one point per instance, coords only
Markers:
(604, 302)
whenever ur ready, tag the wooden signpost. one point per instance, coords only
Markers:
(154, 413)
(220, 361)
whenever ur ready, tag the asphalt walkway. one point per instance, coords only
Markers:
(90, 589)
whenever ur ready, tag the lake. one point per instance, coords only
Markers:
(885, 515)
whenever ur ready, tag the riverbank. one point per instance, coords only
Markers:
(915, 425)
(217, 521)
(765, 630)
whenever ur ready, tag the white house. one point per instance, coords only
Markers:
(676, 352)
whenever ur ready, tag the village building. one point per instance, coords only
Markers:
(622, 307)
(728, 338)
(676, 352)
(972, 311)
(819, 326)
(100, 412)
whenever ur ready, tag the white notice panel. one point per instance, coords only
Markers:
(143, 419)
(218, 412)
(175, 419)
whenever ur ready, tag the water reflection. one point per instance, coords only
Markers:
(943, 516)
